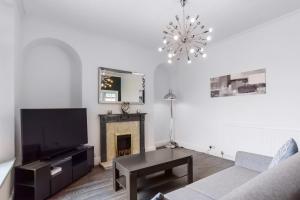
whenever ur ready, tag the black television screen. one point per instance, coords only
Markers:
(48, 132)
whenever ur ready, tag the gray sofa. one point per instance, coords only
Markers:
(248, 179)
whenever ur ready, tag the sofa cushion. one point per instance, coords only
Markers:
(186, 193)
(279, 183)
(223, 182)
(287, 150)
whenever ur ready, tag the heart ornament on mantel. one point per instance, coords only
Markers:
(125, 107)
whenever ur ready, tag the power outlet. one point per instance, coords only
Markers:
(222, 154)
(211, 147)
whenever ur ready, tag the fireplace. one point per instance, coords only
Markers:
(123, 145)
(121, 135)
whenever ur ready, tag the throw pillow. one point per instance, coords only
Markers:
(287, 150)
(159, 196)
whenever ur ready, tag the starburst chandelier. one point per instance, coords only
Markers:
(185, 38)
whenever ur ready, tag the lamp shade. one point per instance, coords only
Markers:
(170, 96)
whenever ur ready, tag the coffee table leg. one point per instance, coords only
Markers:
(190, 170)
(169, 172)
(131, 186)
(116, 175)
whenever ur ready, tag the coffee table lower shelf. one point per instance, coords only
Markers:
(146, 183)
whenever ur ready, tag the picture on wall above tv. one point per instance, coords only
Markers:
(251, 82)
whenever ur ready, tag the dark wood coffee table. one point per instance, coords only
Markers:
(128, 169)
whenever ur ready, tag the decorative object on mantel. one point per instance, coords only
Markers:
(109, 112)
(125, 107)
(187, 37)
(171, 97)
(251, 82)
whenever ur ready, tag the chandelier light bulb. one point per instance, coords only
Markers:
(170, 55)
(208, 38)
(165, 41)
(193, 20)
(201, 49)
(160, 49)
(192, 50)
(189, 61)
(210, 30)
(176, 37)
(170, 61)
(204, 55)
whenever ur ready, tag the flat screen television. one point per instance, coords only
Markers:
(47, 133)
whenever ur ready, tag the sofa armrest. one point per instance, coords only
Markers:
(252, 161)
(278, 183)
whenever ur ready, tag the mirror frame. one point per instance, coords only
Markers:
(100, 69)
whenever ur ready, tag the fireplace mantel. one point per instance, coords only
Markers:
(109, 118)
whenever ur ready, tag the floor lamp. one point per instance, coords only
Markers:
(171, 97)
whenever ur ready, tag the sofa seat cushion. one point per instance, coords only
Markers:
(223, 182)
(186, 193)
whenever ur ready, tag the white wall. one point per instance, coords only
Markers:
(255, 123)
(7, 55)
(164, 80)
(8, 42)
(95, 51)
(162, 85)
(50, 75)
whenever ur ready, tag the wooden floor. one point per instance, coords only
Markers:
(97, 185)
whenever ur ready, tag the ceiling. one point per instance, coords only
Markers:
(142, 21)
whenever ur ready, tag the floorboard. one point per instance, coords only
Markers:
(98, 183)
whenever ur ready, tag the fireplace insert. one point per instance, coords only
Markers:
(123, 145)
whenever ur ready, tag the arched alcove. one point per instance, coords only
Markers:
(162, 84)
(50, 75)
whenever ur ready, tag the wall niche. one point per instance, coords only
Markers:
(50, 75)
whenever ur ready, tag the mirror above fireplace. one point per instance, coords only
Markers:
(117, 86)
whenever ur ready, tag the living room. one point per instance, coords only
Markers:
(228, 99)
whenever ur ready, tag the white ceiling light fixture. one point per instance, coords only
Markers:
(186, 37)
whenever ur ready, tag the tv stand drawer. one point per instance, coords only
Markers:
(63, 178)
(80, 169)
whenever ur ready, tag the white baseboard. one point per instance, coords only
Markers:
(96, 160)
(151, 148)
(161, 143)
(12, 194)
(204, 150)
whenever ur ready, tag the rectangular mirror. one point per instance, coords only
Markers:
(117, 86)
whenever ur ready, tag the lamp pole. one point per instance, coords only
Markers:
(171, 97)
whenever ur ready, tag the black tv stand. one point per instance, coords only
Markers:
(41, 179)
(57, 154)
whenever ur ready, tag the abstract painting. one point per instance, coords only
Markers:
(251, 82)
